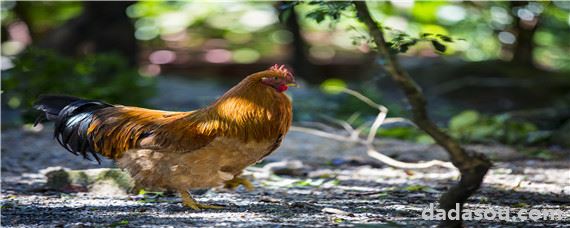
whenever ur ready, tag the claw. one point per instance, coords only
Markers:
(190, 202)
(198, 206)
(237, 181)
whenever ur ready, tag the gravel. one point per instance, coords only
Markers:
(331, 190)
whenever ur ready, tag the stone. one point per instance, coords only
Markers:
(104, 181)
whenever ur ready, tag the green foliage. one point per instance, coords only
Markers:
(470, 126)
(160, 23)
(247, 31)
(408, 133)
(463, 120)
(399, 41)
(103, 76)
(328, 9)
(41, 16)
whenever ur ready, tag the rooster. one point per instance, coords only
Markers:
(180, 151)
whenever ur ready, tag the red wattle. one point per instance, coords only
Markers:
(282, 88)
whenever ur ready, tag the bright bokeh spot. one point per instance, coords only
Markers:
(218, 56)
(282, 37)
(451, 14)
(322, 52)
(426, 11)
(405, 4)
(173, 22)
(150, 70)
(238, 38)
(434, 29)
(507, 38)
(396, 22)
(12, 47)
(146, 29)
(162, 57)
(257, 19)
(500, 15)
(333, 86)
(245, 55)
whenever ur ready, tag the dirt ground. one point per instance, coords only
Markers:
(334, 185)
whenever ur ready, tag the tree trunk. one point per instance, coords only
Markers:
(101, 27)
(472, 166)
(299, 59)
(524, 31)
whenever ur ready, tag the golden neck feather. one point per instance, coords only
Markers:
(250, 110)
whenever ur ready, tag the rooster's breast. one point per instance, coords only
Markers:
(209, 166)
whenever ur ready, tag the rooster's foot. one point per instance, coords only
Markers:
(237, 181)
(190, 202)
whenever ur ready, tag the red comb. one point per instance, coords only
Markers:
(281, 69)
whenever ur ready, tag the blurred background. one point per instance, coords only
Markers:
(502, 76)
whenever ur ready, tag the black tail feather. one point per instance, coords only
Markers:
(72, 117)
(52, 104)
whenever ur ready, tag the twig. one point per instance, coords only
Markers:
(405, 165)
(342, 123)
(398, 120)
(363, 98)
(379, 120)
(369, 141)
(323, 134)
(317, 125)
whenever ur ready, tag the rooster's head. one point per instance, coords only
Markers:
(278, 77)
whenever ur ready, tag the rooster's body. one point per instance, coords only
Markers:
(180, 150)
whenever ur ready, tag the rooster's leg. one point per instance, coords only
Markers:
(237, 181)
(190, 202)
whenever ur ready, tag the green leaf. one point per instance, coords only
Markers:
(338, 220)
(317, 15)
(481, 133)
(399, 132)
(406, 45)
(417, 188)
(463, 120)
(119, 223)
(438, 46)
(333, 86)
(425, 139)
(445, 38)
